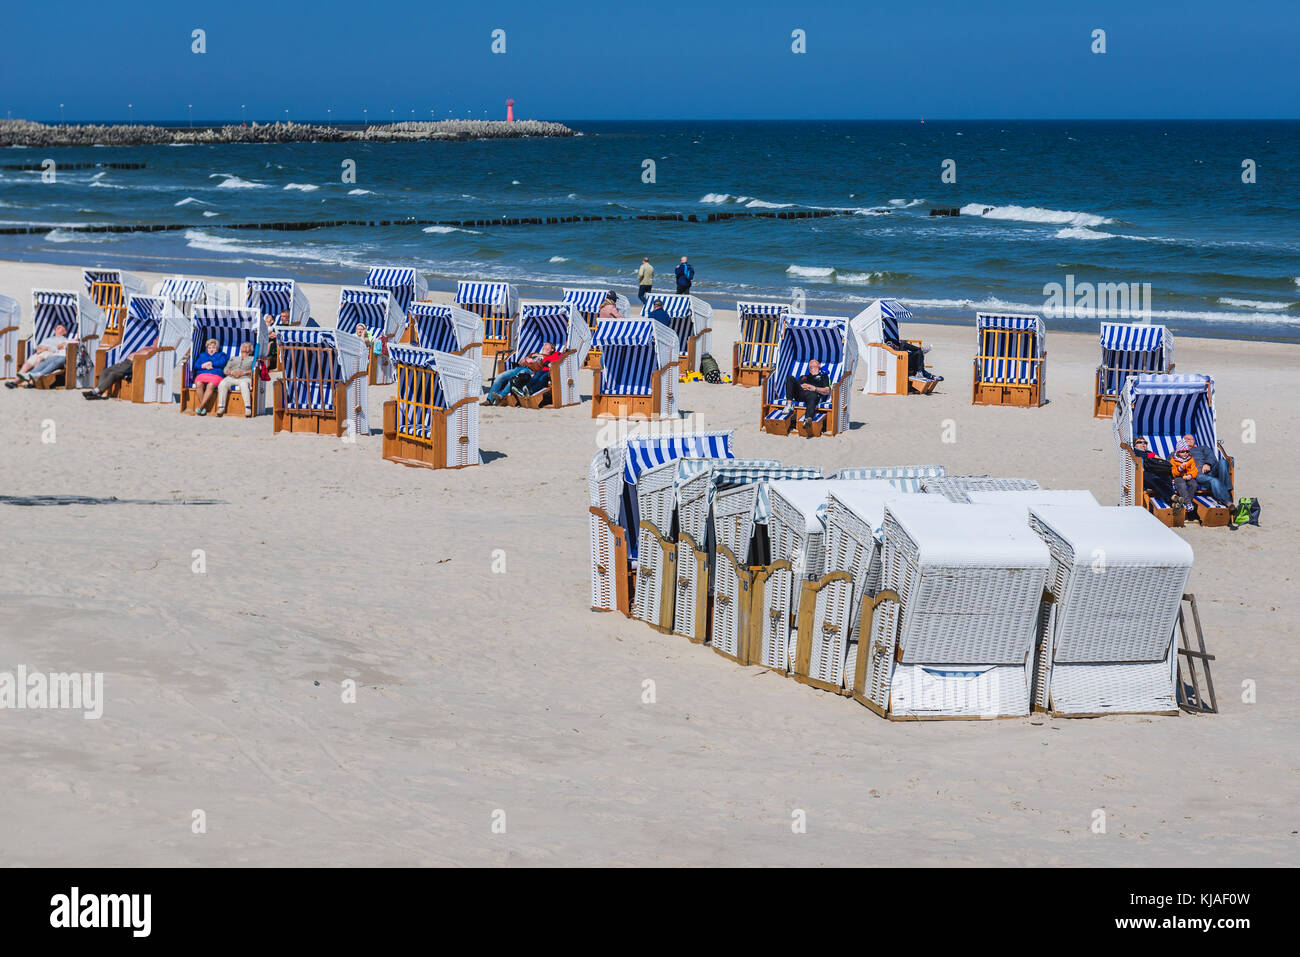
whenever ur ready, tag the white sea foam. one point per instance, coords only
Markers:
(761, 204)
(514, 182)
(304, 187)
(558, 259)
(815, 273)
(1081, 232)
(188, 200)
(1034, 214)
(209, 213)
(69, 236)
(715, 198)
(449, 229)
(361, 192)
(231, 247)
(859, 278)
(919, 306)
(905, 203)
(1254, 303)
(235, 182)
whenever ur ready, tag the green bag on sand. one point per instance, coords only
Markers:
(709, 369)
(1245, 513)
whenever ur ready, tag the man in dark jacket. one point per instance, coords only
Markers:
(658, 313)
(808, 389)
(685, 273)
(1214, 475)
(1157, 477)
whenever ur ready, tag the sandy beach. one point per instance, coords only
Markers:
(480, 691)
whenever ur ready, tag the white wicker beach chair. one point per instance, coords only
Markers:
(432, 422)
(325, 386)
(111, 290)
(231, 326)
(498, 304)
(905, 478)
(887, 368)
(754, 353)
(638, 370)
(377, 312)
(1079, 498)
(157, 328)
(183, 293)
(445, 328)
(952, 631)
(956, 488)
(1117, 579)
(692, 321)
(11, 320)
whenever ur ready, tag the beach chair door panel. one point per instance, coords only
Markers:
(656, 578)
(771, 613)
(608, 564)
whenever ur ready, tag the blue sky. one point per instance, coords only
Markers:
(962, 60)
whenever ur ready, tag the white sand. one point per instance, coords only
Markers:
(480, 691)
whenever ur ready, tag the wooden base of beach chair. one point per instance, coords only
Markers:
(332, 423)
(415, 453)
(1212, 515)
(1103, 406)
(996, 393)
(745, 375)
(593, 361)
(779, 426)
(921, 386)
(56, 379)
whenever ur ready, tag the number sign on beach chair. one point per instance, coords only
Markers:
(406, 285)
(1011, 364)
(1128, 349)
(183, 294)
(887, 369)
(761, 324)
(433, 421)
(155, 328)
(692, 322)
(325, 386)
(271, 297)
(375, 311)
(83, 319)
(11, 320)
(1163, 409)
(805, 338)
(498, 304)
(588, 303)
(231, 326)
(110, 289)
(559, 324)
(445, 328)
(638, 374)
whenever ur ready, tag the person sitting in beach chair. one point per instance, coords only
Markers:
(1213, 473)
(808, 389)
(659, 314)
(532, 366)
(609, 308)
(539, 383)
(49, 356)
(208, 372)
(238, 374)
(1157, 475)
(1184, 470)
(116, 373)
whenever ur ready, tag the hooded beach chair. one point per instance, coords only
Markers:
(445, 328)
(957, 488)
(377, 312)
(588, 303)
(11, 319)
(905, 478)
(1117, 580)
(433, 420)
(559, 324)
(325, 386)
(1027, 499)
(183, 293)
(83, 319)
(753, 354)
(111, 289)
(272, 296)
(638, 369)
(498, 304)
(952, 630)
(231, 326)
(805, 338)
(1128, 349)
(741, 563)
(1163, 409)
(887, 368)
(614, 510)
(406, 285)
(157, 329)
(692, 322)
(1011, 361)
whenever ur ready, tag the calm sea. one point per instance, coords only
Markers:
(1158, 203)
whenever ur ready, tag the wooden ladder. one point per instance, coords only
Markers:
(1190, 698)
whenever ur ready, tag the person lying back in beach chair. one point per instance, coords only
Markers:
(1213, 473)
(48, 357)
(915, 359)
(539, 383)
(116, 373)
(1157, 475)
(533, 365)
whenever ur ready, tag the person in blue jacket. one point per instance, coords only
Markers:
(685, 273)
(659, 314)
(209, 370)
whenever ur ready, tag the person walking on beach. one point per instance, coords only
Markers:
(238, 375)
(685, 273)
(645, 277)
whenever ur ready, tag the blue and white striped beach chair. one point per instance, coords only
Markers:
(83, 319)
(805, 338)
(406, 285)
(273, 297)
(638, 374)
(325, 386)
(905, 478)
(231, 326)
(498, 304)
(1128, 349)
(1163, 409)
(559, 324)
(375, 311)
(433, 420)
(761, 324)
(111, 289)
(143, 332)
(887, 368)
(588, 302)
(183, 293)
(446, 328)
(692, 321)
(1011, 362)
(11, 319)
(613, 510)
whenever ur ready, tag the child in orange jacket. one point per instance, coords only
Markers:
(1184, 471)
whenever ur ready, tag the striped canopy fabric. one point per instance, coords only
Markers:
(182, 291)
(905, 478)
(879, 322)
(589, 301)
(51, 307)
(455, 378)
(140, 330)
(1009, 358)
(727, 476)
(558, 323)
(131, 285)
(270, 297)
(806, 338)
(689, 316)
(1131, 349)
(309, 377)
(446, 328)
(231, 326)
(373, 308)
(632, 351)
(1164, 408)
(499, 294)
(760, 330)
(406, 285)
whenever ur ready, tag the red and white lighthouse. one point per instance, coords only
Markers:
(510, 111)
